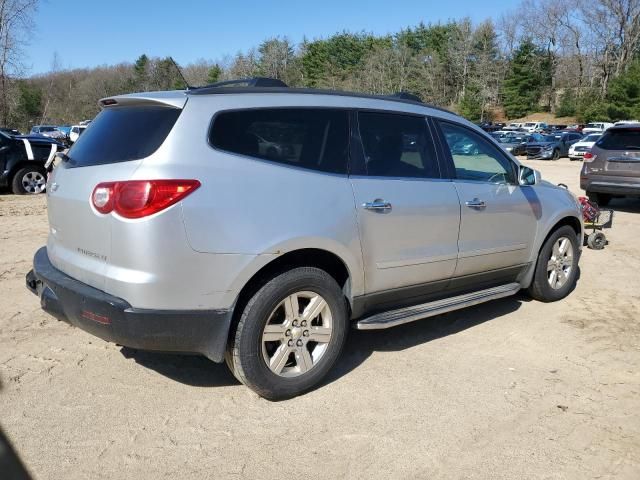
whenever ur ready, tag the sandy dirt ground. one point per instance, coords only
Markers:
(513, 389)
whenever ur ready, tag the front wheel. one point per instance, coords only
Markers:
(290, 334)
(556, 154)
(557, 266)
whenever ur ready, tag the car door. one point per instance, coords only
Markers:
(408, 216)
(498, 216)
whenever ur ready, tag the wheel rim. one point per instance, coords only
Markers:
(297, 334)
(33, 182)
(560, 265)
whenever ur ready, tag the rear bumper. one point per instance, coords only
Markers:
(611, 185)
(114, 320)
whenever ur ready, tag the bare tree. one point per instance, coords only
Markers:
(16, 19)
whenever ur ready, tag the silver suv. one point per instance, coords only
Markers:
(257, 224)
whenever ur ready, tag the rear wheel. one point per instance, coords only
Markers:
(602, 199)
(290, 334)
(29, 180)
(557, 266)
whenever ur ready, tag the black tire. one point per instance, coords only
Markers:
(540, 288)
(602, 199)
(16, 182)
(556, 154)
(245, 354)
(596, 240)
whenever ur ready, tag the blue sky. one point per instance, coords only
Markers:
(88, 33)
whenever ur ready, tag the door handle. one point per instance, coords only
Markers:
(476, 203)
(377, 205)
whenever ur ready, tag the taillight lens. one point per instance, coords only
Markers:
(589, 157)
(140, 198)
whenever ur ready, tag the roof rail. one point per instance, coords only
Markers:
(406, 96)
(249, 82)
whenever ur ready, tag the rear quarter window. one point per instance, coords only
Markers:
(120, 134)
(310, 138)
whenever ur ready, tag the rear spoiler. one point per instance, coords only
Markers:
(172, 99)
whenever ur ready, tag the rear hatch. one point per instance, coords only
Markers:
(122, 136)
(620, 149)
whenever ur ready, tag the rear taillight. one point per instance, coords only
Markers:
(140, 198)
(589, 157)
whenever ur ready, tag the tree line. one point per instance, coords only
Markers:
(571, 58)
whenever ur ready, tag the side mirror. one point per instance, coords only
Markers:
(528, 176)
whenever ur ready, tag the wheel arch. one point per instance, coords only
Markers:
(563, 220)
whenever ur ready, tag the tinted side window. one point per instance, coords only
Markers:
(397, 145)
(303, 137)
(474, 157)
(620, 140)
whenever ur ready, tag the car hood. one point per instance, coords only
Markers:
(37, 139)
(541, 144)
(583, 144)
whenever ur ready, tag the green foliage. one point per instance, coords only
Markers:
(29, 104)
(214, 74)
(470, 105)
(428, 38)
(338, 56)
(568, 106)
(623, 98)
(528, 75)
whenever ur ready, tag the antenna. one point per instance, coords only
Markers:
(189, 87)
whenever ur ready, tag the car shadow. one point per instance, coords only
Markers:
(626, 204)
(362, 343)
(192, 370)
(200, 372)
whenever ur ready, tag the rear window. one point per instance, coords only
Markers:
(122, 134)
(311, 138)
(620, 140)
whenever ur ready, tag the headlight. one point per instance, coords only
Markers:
(509, 149)
(548, 147)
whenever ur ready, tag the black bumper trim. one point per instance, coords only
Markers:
(115, 320)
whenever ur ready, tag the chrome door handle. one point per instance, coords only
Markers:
(378, 205)
(476, 203)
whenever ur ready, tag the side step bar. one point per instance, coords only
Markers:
(418, 312)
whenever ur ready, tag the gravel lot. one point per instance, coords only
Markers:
(511, 389)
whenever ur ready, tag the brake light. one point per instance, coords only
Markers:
(589, 157)
(140, 198)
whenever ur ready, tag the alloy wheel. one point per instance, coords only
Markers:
(297, 334)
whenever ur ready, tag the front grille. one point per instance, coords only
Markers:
(533, 150)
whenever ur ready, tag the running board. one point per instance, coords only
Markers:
(418, 312)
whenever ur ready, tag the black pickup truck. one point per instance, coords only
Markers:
(22, 162)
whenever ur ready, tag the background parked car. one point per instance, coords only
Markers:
(582, 146)
(75, 133)
(513, 142)
(10, 131)
(513, 126)
(551, 147)
(50, 131)
(596, 127)
(612, 167)
(535, 126)
(22, 160)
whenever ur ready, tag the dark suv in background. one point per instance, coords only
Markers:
(551, 147)
(612, 167)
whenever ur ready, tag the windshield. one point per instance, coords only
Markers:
(537, 137)
(593, 125)
(593, 137)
